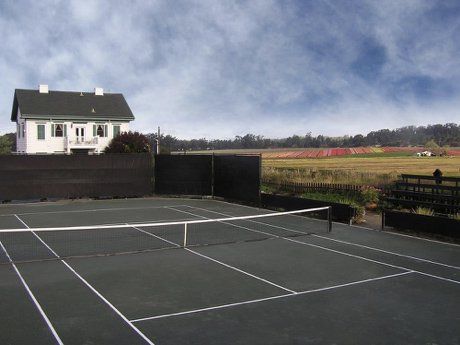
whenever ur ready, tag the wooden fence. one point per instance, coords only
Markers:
(304, 187)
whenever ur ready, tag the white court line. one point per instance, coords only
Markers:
(320, 247)
(219, 262)
(352, 225)
(198, 221)
(234, 225)
(348, 254)
(37, 304)
(388, 252)
(344, 242)
(17, 217)
(341, 241)
(241, 271)
(108, 225)
(124, 318)
(223, 306)
(90, 210)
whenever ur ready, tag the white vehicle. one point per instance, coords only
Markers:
(425, 154)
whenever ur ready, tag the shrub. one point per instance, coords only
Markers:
(5, 144)
(423, 211)
(370, 195)
(129, 142)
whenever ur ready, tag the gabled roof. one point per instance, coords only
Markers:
(75, 105)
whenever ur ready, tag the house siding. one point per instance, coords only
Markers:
(30, 144)
(21, 141)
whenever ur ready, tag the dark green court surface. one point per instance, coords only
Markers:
(269, 280)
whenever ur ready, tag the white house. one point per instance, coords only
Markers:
(61, 122)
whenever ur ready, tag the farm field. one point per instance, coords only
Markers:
(298, 153)
(407, 165)
(357, 170)
(375, 166)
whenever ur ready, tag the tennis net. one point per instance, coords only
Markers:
(39, 244)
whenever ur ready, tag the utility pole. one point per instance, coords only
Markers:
(158, 141)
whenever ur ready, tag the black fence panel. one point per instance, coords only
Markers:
(237, 177)
(75, 176)
(340, 212)
(422, 223)
(183, 174)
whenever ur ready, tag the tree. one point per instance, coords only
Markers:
(129, 142)
(5, 144)
(358, 140)
(433, 146)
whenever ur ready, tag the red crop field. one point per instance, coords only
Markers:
(336, 152)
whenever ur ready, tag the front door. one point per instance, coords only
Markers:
(80, 134)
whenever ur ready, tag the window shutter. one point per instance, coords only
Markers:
(65, 130)
(116, 130)
(106, 129)
(94, 130)
(41, 132)
(52, 129)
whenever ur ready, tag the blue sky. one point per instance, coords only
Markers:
(217, 69)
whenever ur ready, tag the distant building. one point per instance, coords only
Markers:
(61, 122)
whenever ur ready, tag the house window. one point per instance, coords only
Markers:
(116, 130)
(58, 130)
(41, 132)
(100, 130)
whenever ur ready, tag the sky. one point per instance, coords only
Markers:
(216, 69)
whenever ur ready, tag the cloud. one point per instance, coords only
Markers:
(219, 69)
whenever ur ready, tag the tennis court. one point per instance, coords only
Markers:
(202, 271)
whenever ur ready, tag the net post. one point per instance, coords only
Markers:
(383, 220)
(329, 219)
(185, 235)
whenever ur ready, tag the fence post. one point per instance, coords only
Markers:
(212, 175)
(329, 219)
(383, 220)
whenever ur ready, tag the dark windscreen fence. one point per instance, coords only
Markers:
(436, 225)
(75, 176)
(237, 177)
(183, 174)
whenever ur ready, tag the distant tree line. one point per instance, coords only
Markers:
(442, 134)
